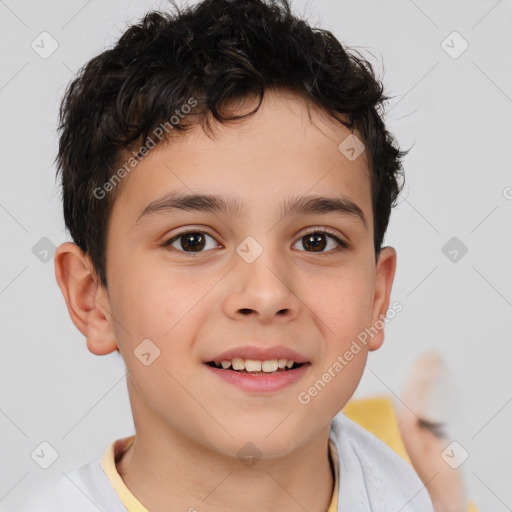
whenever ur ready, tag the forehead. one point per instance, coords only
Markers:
(289, 148)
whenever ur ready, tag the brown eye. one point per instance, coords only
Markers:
(191, 241)
(318, 241)
(315, 241)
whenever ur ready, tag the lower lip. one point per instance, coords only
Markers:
(261, 383)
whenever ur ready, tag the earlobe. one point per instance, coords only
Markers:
(86, 299)
(385, 274)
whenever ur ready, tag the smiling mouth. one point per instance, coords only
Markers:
(219, 366)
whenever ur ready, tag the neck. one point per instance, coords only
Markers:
(163, 467)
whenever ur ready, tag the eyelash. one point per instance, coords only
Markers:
(342, 245)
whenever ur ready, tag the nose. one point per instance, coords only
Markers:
(262, 290)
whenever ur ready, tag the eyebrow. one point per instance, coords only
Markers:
(321, 205)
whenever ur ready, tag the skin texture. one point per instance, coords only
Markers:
(191, 424)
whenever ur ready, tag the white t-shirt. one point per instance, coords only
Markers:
(370, 477)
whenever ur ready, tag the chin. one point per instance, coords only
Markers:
(261, 442)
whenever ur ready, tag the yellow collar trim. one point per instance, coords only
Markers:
(116, 449)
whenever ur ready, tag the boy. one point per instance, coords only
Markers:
(227, 181)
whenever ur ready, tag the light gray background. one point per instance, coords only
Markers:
(455, 112)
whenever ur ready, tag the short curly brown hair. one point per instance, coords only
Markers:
(214, 52)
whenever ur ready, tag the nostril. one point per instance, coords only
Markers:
(246, 311)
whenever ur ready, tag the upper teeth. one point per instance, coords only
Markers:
(252, 365)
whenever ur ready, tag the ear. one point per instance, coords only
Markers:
(86, 299)
(385, 273)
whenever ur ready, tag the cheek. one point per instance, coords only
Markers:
(334, 382)
(343, 302)
(165, 309)
(149, 300)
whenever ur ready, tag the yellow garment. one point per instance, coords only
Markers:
(116, 449)
(108, 464)
(377, 415)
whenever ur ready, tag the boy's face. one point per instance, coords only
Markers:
(222, 296)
